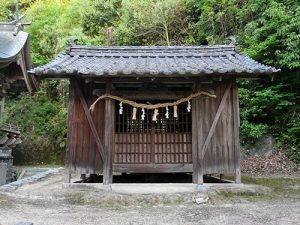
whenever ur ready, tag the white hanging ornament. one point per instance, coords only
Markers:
(175, 111)
(134, 113)
(167, 112)
(143, 114)
(189, 106)
(154, 117)
(121, 108)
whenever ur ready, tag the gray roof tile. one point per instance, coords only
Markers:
(152, 61)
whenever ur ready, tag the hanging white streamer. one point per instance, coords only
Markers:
(189, 106)
(167, 112)
(143, 114)
(154, 117)
(175, 111)
(121, 108)
(134, 113)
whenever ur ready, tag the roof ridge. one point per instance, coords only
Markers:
(154, 47)
(153, 61)
(150, 50)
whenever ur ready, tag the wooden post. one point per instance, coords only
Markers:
(108, 138)
(196, 140)
(70, 122)
(236, 126)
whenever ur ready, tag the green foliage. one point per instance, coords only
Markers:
(55, 22)
(114, 22)
(7, 10)
(251, 133)
(219, 19)
(274, 37)
(101, 14)
(291, 138)
(270, 108)
(43, 124)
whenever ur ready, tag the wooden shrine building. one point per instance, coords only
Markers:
(153, 109)
(15, 61)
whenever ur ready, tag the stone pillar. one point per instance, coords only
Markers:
(6, 157)
(3, 170)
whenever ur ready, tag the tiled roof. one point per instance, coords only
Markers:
(88, 61)
(11, 43)
(14, 55)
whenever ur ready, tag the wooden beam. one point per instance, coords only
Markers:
(70, 130)
(108, 137)
(22, 64)
(236, 126)
(154, 95)
(196, 140)
(153, 168)
(88, 115)
(215, 121)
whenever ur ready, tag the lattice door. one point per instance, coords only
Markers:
(147, 142)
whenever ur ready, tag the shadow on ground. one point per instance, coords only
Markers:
(151, 178)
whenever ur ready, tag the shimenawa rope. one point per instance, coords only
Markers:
(150, 106)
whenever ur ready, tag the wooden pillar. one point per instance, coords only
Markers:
(108, 138)
(70, 122)
(236, 126)
(197, 139)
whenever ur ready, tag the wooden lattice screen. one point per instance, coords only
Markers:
(165, 141)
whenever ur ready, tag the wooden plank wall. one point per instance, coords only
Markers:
(220, 155)
(83, 153)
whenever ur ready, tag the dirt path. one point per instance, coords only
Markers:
(47, 203)
(45, 213)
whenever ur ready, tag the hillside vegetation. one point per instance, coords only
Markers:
(267, 30)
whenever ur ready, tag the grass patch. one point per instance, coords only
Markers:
(74, 198)
(272, 182)
(231, 196)
(281, 188)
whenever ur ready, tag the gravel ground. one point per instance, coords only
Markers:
(44, 213)
(47, 203)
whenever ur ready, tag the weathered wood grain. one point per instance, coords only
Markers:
(235, 107)
(90, 121)
(108, 138)
(70, 123)
(216, 119)
(153, 168)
